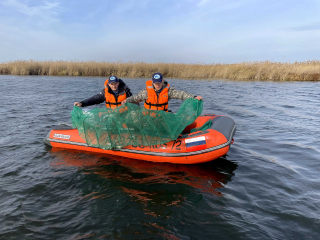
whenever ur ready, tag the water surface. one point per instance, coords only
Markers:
(267, 187)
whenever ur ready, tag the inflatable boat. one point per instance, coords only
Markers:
(189, 148)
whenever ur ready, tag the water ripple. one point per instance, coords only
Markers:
(267, 187)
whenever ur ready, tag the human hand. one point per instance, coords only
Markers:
(124, 101)
(198, 97)
(77, 104)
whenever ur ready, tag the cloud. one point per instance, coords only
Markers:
(203, 2)
(224, 5)
(132, 5)
(308, 27)
(152, 31)
(47, 12)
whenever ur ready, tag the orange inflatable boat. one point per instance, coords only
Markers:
(189, 148)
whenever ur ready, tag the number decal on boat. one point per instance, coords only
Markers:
(177, 143)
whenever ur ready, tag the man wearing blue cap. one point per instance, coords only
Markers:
(157, 94)
(115, 91)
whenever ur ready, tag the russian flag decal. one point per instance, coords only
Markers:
(196, 144)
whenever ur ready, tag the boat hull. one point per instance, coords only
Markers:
(189, 148)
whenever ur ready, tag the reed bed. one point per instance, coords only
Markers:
(246, 71)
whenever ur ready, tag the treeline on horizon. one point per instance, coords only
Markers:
(246, 71)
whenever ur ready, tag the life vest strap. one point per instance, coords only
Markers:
(116, 103)
(157, 104)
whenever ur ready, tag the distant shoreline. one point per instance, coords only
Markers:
(246, 71)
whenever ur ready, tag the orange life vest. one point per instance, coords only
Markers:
(113, 101)
(154, 102)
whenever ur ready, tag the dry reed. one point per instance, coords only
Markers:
(269, 71)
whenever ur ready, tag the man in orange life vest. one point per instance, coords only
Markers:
(157, 94)
(114, 92)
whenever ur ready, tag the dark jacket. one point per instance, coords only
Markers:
(100, 98)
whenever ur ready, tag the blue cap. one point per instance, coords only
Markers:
(157, 77)
(113, 79)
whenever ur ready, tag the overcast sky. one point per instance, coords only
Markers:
(186, 31)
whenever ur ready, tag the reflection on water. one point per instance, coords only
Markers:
(207, 177)
(154, 194)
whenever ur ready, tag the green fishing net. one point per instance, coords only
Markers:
(203, 127)
(131, 124)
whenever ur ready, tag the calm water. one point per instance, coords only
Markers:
(267, 187)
